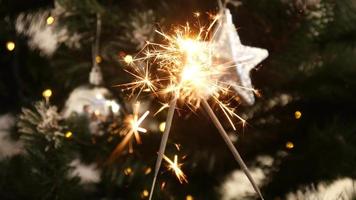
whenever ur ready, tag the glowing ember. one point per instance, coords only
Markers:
(132, 129)
(175, 167)
(187, 68)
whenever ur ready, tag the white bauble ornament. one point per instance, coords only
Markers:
(91, 99)
(88, 99)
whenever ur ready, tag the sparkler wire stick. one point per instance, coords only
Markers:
(231, 146)
(162, 148)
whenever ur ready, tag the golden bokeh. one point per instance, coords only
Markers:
(189, 197)
(68, 134)
(47, 93)
(128, 171)
(98, 59)
(50, 20)
(10, 45)
(162, 126)
(298, 114)
(145, 193)
(289, 145)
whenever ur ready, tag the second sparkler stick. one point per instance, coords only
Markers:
(230, 146)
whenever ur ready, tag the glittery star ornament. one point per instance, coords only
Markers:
(228, 46)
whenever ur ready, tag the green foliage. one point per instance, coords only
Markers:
(42, 123)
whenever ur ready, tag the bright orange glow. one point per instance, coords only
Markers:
(185, 68)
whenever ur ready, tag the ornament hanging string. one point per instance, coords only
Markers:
(97, 39)
(96, 77)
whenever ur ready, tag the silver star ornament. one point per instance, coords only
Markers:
(228, 47)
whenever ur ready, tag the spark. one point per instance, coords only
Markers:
(177, 146)
(175, 167)
(143, 80)
(132, 123)
(186, 68)
(148, 170)
(164, 106)
(189, 71)
(132, 129)
(163, 185)
(128, 59)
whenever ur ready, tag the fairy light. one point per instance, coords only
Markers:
(10, 45)
(50, 20)
(297, 114)
(47, 94)
(145, 194)
(175, 167)
(189, 197)
(289, 145)
(98, 59)
(68, 134)
(162, 126)
(128, 171)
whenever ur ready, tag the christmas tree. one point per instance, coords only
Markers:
(99, 98)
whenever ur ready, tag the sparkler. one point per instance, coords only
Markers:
(132, 129)
(175, 167)
(189, 71)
